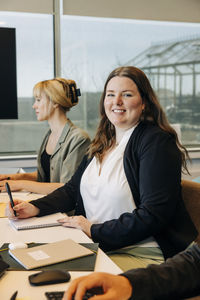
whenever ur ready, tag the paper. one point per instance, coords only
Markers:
(38, 255)
(2, 210)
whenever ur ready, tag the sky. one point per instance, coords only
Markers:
(91, 47)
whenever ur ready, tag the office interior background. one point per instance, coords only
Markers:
(85, 40)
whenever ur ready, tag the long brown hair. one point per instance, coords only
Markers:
(153, 112)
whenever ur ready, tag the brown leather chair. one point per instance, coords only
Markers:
(191, 197)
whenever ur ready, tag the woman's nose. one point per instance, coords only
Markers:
(118, 100)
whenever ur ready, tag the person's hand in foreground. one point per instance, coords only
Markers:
(23, 210)
(79, 222)
(115, 287)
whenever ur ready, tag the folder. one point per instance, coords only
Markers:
(48, 254)
(84, 263)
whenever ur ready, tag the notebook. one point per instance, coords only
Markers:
(48, 254)
(37, 222)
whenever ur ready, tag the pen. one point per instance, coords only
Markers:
(10, 196)
(13, 297)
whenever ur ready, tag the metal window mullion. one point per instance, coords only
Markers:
(57, 10)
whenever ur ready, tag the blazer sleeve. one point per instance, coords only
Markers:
(177, 278)
(73, 158)
(154, 176)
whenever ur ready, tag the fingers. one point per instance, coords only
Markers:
(63, 220)
(68, 221)
(25, 210)
(79, 222)
(79, 286)
(4, 177)
(72, 289)
(19, 205)
(14, 185)
(2, 186)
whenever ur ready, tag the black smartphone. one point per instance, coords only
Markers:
(11, 198)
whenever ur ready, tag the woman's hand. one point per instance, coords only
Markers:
(5, 176)
(15, 185)
(23, 210)
(79, 222)
(114, 287)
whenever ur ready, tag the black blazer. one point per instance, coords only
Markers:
(152, 165)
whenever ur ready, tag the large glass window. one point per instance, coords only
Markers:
(34, 44)
(168, 52)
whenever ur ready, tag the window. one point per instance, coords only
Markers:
(34, 44)
(168, 52)
(91, 48)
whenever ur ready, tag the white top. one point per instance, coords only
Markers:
(104, 188)
(107, 195)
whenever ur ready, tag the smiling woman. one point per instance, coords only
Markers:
(127, 198)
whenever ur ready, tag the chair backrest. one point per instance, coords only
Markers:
(191, 197)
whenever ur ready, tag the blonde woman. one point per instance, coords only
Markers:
(64, 145)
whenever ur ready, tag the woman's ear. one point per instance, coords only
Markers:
(55, 105)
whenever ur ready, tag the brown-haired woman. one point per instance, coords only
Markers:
(63, 146)
(127, 190)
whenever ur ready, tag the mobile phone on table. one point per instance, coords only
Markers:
(10, 197)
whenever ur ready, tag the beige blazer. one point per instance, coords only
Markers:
(69, 151)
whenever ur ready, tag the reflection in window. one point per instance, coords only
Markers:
(168, 52)
(34, 44)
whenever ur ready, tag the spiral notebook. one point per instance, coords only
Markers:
(37, 222)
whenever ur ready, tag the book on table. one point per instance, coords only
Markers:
(52, 253)
(37, 222)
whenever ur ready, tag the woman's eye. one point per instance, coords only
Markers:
(127, 95)
(110, 95)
